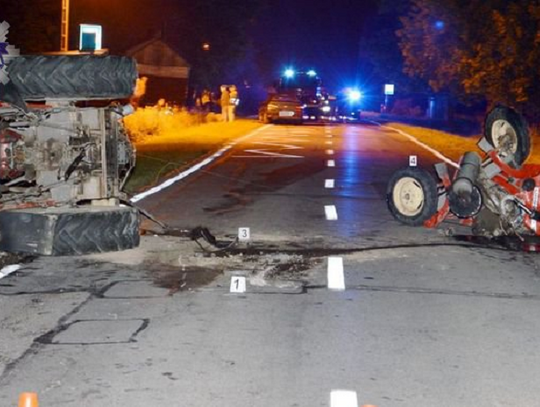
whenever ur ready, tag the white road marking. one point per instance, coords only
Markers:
(331, 212)
(7, 270)
(425, 146)
(436, 153)
(329, 183)
(270, 152)
(330, 152)
(343, 398)
(331, 163)
(196, 167)
(283, 146)
(329, 142)
(335, 276)
(329, 135)
(263, 153)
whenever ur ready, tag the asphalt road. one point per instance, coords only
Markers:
(274, 183)
(423, 319)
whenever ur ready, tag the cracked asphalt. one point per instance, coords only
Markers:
(424, 319)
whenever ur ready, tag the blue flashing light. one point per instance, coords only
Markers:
(439, 25)
(312, 73)
(355, 95)
(289, 73)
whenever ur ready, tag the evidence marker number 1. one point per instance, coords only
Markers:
(238, 285)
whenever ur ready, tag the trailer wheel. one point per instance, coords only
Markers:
(412, 196)
(508, 131)
(80, 77)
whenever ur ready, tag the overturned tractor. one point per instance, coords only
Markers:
(64, 155)
(496, 194)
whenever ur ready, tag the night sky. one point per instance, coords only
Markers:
(323, 35)
(306, 34)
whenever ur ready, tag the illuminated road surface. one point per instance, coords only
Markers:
(412, 320)
(279, 182)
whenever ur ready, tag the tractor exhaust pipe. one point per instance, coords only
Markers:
(465, 198)
(469, 169)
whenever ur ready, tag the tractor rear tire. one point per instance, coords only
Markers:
(412, 196)
(502, 122)
(69, 231)
(80, 77)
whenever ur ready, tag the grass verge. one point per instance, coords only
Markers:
(452, 145)
(164, 154)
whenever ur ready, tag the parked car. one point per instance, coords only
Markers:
(281, 108)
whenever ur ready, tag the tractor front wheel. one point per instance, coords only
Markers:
(412, 196)
(508, 131)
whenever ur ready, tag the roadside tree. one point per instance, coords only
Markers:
(470, 48)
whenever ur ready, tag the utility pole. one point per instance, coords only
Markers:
(64, 28)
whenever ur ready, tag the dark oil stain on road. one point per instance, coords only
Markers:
(236, 196)
(181, 278)
(283, 266)
(284, 176)
(232, 201)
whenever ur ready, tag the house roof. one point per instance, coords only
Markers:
(157, 52)
(156, 58)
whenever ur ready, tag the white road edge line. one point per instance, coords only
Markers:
(329, 183)
(7, 270)
(436, 153)
(196, 167)
(331, 212)
(343, 398)
(331, 163)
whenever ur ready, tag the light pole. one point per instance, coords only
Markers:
(64, 27)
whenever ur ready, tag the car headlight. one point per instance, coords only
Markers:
(326, 109)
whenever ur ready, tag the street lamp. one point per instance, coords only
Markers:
(64, 27)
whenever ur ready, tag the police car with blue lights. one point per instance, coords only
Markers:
(349, 105)
(306, 86)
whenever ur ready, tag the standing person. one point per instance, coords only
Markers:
(140, 91)
(233, 102)
(205, 101)
(225, 103)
